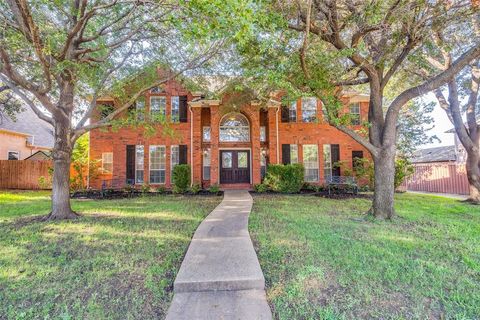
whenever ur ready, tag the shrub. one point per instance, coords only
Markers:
(145, 188)
(181, 178)
(214, 188)
(196, 188)
(260, 188)
(128, 188)
(161, 190)
(284, 178)
(45, 182)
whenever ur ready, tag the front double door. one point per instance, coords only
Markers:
(234, 166)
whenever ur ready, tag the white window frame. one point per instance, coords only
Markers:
(309, 107)
(206, 133)
(175, 108)
(13, 151)
(206, 164)
(294, 153)
(140, 109)
(263, 134)
(327, 161)
(162, 107)
(157, 164)
(107, 159)
(139, 165)
(244, 128)
(174, 159)
(355, 113)
(311, 165)
(292, 112)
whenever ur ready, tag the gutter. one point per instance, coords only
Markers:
(191, 146)
(276, 125)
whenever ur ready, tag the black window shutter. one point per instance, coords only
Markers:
(335, 158)
(285, 153)
(183, 109)
(182, 154)
(130, 166)
(285, 116)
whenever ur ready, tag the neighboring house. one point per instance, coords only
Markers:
(40, 155)
(24, 135)
(224, 145)
(436, 155)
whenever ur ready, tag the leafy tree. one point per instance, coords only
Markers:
(83, 167)
(462, 100)
(319, 47)
(61, 56)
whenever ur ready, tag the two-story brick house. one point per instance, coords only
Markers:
(224, 146)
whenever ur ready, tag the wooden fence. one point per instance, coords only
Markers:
(23, 174)
(438, 177)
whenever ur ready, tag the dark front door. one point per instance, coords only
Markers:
(234, 166)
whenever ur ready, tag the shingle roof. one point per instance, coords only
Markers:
(437, 154)
(27, 122)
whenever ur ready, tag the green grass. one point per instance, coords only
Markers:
(118, 261)
(323, 260)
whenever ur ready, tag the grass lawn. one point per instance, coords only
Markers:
(118, 261)
(322, 260)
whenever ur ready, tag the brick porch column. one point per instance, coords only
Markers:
(197, 144)
(255, 139)
(214, 138)
(272, 132)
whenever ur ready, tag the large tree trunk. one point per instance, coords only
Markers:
(62, 154)
(473, 175)
(384, 166)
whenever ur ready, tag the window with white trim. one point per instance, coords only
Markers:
(206, 131)
(355, 113)
(139, 158)
(310, 162)
(292, 112)
(263, 134)
(293, 153)
(13, 155)
(157, 165)
(107, 162)
(140, 109)
(327, 161)
(174, 159)
(309, 109)
(175, 105)
(234, 127)
(158, 107)
(206, 164)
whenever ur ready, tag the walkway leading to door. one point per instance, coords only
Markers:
(220, 277)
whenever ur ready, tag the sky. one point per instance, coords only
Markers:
(441, 124)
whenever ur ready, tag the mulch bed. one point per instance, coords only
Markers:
(122, 194)
(324, 194)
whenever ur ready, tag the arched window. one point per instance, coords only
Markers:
(234, 127)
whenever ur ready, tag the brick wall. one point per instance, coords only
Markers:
(299, 133)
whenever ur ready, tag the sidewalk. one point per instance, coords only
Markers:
(220, 277)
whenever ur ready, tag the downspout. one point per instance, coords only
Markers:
(276, 125)
(191, 145)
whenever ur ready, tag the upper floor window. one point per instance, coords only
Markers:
(140, 109)
(157, 107)
(355, 113)
(309, 109)
(289, 114)
(156, 89)
(263, 134)
(13, 155)
(175, 105)
(206, 134)
(234, 127)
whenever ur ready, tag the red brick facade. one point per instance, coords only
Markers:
(208, 113)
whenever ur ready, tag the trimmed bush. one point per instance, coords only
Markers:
(214, 188)
(181, 178)
(196, 188)
(260, 188)
(284, 178)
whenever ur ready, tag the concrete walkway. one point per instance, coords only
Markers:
(220, 277)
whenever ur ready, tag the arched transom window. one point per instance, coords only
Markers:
(234, 127)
